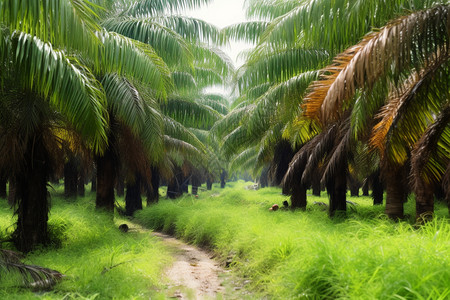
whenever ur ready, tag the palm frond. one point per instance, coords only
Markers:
(152, 7)
(131, 58)
(167, 43)
(174, 129)
(184, 150)
(214, 104)
(395, 48)
(250, 31)
(212, 57)
(427, 164)
(190, 113)
(242, 159)
(69, 86)
(279, 66)
(59, 22)
(334, 25)
(184, 81)
(410, 108)
(270, 9)
(192, 29)
(33, 276)
(208, 76)
(284, 98)
(231, 121)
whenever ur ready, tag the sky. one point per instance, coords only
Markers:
(222, 13)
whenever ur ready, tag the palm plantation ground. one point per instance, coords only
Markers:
(335, 97)
(274, 254)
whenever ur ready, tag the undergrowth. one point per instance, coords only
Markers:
(98, 260)
(307, 255)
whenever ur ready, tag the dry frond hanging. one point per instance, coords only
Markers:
(394, 48)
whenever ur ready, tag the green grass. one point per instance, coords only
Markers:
(306, 255)
(98, 260)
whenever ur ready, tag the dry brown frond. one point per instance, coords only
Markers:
(360, 66)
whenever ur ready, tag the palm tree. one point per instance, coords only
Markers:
(324, 28)
(411, 118)
(44, 86)
(178, 41)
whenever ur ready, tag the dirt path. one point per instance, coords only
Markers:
(193, 275)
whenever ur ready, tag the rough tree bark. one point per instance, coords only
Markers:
(3, 180)
(396, 192)
(153, 187)
(209, 183)
(354, 186)
(196, 182)
(298, 197)
(12, 192)
(337, 190)
(365, 187)
(315, 183)
(81, 182)
(106, 177)
(31, 192)
(174, 186)
(70, 178)
(264, 178)
(133, 199)
(223, 176)
(377, 188)
(120, 184)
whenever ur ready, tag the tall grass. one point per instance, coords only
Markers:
(99, 261)
(306, 255)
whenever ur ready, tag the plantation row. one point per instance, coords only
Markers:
(334, 95)
(288, 254)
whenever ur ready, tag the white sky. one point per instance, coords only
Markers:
(222, 13)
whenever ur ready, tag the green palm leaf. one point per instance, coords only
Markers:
(151, 7)
(190, 113)
(131, 58)
(167, 43)
(63, 23)
(250, 31)
(69, 86)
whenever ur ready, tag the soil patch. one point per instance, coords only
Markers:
(193, 275)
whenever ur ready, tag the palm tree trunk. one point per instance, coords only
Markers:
(377, 188)
(153, 187)
(196, 182)
(264, 178)
(3, 181)
(209, 183)
(106, 178)
(315, 183)
(120, 185)
(174, 187)
(223, 176)
(184, 184)
(396, 193)
(81, 181)
(94, 181)
(365, 187)
(31, 189)
(298, 197)
(354, 186)
(70, 178)
(133, 200)
(424, 201)
(337, 190)
(12, 192)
